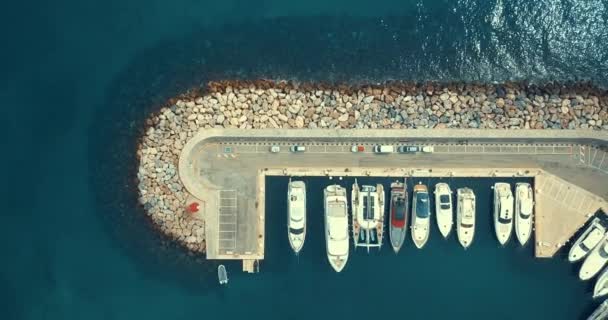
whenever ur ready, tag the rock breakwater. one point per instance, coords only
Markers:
(268, 104)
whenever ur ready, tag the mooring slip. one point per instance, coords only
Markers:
(226, 169)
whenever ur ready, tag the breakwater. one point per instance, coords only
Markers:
(269, 104)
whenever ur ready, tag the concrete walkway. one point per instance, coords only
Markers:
(226, 168)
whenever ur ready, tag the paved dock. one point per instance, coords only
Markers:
(226, 168)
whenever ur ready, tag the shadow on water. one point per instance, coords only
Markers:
(351, 50)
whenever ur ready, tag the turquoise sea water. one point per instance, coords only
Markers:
(77, 78)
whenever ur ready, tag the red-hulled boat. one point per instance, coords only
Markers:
(398, 216)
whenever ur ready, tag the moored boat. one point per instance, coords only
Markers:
(336, 226)
(601, 285)
(443, 208)
(421, 215)
(296, 214)
(587, 241)
(601, 313)
(398, 214)
(524, 210)
(503, 211)
(465, 216)
(595, 261)
(222, 275)
(367, 215)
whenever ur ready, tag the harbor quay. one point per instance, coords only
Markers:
(224, 171)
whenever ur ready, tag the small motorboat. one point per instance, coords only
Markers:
(222, 275)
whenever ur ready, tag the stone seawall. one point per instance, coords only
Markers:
(267, 104)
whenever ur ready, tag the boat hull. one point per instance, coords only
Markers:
(583, 245)
(465, 220)
(601, 286)
(367, 215)
(503, 226)
(594, 262)
(398, 208)
(420, 226)
(600, 313)
(444, 215)
(523, 223)
(337, 249)
(296, 226)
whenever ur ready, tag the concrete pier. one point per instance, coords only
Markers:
(226, 169)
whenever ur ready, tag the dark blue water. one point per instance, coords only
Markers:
(77, 78)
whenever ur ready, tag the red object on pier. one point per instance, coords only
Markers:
(193, 207)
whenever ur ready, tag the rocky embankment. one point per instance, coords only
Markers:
(267, 104)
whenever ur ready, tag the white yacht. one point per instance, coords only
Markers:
(465, 216)
(336, 226)
(503, 211)
(524, 210)
(595, 261)
(443, 208)
(296, 214)
(587, 241)
(601, 313)
(367, 215)
(421, 215)
(601, 285)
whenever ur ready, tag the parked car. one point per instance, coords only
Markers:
(297, 148)
(428, 149)
(356, 148)
(408, 149)
(384, 149)
(275, 149)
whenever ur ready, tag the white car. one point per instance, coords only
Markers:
(428, 149)
(275, 149)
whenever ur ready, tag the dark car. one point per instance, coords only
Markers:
(408, 149)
